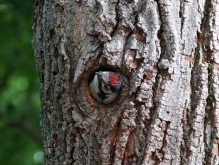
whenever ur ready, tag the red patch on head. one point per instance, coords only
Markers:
(113, 79)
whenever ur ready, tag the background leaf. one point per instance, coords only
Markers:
(20, 137)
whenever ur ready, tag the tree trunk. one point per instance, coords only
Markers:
(167, 52)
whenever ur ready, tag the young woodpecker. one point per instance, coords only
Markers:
(105, 86)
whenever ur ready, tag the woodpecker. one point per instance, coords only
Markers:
(105, 86)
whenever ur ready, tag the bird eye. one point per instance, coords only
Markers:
(106, 87)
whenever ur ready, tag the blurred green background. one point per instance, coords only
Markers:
(20, 135)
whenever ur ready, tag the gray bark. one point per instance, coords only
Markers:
(168, 54)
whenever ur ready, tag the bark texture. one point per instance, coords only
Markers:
(168, 54)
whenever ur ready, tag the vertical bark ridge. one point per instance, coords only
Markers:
(212, 34)
(193, 141)
(127, 125)
(144, 44)
(165, 137)
(194, 126)
(174, 131)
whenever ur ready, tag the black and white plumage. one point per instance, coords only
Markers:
(105, 86)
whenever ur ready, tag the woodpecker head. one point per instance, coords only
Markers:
(105, 86)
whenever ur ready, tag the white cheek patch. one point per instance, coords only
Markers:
(106, 77)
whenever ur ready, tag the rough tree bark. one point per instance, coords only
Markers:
(168, 54)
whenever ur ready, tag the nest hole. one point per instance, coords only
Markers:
(88, 104)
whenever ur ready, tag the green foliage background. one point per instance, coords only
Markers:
(20, 135)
